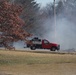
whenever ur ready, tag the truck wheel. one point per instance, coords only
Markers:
(53, 49)
(33, 48)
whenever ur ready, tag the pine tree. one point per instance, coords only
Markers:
(70, 10)
(29, 14)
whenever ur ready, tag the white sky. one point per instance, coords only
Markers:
(44, 2)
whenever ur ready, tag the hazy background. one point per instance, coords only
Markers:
(40, 22)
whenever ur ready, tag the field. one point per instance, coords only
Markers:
(36, 63)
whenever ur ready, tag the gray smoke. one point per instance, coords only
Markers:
(65, 32)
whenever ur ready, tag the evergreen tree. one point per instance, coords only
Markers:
(60, 7)
(70, 10)
(30, 13)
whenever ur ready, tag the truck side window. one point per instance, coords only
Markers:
(46, 42)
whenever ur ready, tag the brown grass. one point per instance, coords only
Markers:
(32, 63)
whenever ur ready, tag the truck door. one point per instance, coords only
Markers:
(45, 44)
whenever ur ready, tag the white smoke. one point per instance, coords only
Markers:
(19, 45)
(65, 32)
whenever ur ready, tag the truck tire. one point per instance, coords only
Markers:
(53, 49)
(32, 47)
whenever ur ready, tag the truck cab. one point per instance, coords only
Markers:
(52, 46)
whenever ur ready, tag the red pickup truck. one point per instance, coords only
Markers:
(43, 44)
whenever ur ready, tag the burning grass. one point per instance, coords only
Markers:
(30, 63)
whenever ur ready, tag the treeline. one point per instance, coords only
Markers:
(29, 14)
(34, 17)
(21, 18)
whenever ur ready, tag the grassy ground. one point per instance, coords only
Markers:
(30, 63)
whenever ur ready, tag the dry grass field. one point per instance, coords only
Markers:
(34, 63)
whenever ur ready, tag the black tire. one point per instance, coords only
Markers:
(53, 49)
(33, 47)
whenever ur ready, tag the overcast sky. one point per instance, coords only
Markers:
(44, 2)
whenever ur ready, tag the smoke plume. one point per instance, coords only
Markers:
(63, 33)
